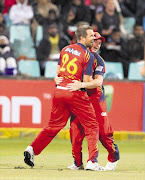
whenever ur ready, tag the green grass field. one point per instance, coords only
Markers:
(52, 162)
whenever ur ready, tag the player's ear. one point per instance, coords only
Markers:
(81, 38)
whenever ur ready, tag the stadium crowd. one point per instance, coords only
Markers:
(39, 29)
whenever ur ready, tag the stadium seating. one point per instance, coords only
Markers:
(135, 71)
(22, 42)
(114, 70)
(20, 32)
(25, 48)
(39, 34)
(8, 21)
(50, 69)
(29, 67)
(128, 23)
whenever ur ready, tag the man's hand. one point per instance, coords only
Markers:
(76, 85)
(58, 80)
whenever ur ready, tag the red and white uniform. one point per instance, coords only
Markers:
(97, 97)
(75, 61)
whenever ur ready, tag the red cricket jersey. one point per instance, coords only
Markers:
(75, 61)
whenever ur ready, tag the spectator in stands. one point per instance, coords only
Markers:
(8, 65)
(87, 2)
(81, 12)
(68, 27)
(2, 22)
(97, 21)
(7, 5)
(69, 31)
(130, 6)
(43, 12)
(33, 2)
(97, 8)
(1, 5)
(126, 10)
(140, 11)
(135, 47)
(134, 9)
(72, 13)
(3, 29)
(21, 13)
(110, 19)
(50, 46)
(50, 19)
(61, 5)
(114, 49)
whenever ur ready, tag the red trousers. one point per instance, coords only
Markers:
(105, 134)
(64, 104)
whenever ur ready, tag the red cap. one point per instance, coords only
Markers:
(98, 36)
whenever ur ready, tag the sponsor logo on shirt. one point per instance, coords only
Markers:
(73, 51)
(99, 68)
(103, 114)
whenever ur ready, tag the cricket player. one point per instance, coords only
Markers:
(76, 63)
(97, 97)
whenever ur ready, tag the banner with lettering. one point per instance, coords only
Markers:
(27, 103)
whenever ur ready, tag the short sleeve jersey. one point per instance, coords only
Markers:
(99, 69)
(75, 61)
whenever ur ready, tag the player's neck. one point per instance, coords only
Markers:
(81, 42)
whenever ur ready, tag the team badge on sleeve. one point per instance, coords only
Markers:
(99, 68)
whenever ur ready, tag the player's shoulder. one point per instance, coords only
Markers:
(99, 58)
(89, 56)
(72, 48)
(65, 47)
(90, 53)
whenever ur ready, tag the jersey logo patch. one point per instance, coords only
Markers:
(99, 68)
(103, 114)
(73, 51)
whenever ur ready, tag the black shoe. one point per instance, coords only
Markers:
(29, 156)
